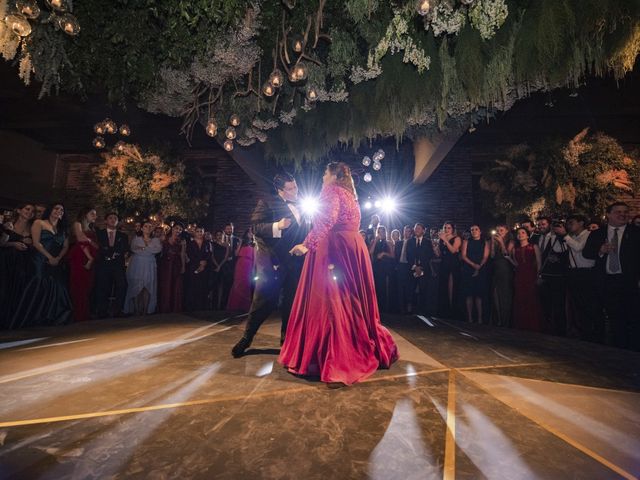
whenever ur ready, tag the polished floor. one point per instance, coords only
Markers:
(160, 397)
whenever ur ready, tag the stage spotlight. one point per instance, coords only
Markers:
(309, 206)
(388, 205)
(377, 204)
(367, 205)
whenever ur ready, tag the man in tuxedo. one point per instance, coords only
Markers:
(616, 250)
(113, 246)
(419, 253)
(278, 226)
(404, 277)
(229, 267)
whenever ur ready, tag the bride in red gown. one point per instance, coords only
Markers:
(334, 330)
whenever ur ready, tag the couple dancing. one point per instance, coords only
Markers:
(331, 329)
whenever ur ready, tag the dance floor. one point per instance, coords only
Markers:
(161, 397)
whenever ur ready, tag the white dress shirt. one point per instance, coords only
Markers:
(576, 245)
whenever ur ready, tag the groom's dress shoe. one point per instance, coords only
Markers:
(240, 347)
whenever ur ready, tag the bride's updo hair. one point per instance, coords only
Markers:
(343, 176)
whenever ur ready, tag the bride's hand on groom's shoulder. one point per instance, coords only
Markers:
(299, 250)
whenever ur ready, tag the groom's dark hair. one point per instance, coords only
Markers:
(280, 179)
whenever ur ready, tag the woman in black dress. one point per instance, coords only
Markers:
(196, 282)
(15, 262)
(219, 256)
(45, 299)
(502, 276)
(382, 261)
(475, 254)
(449, 252)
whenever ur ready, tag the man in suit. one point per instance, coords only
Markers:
(278, 226)
(616, 250)
(419, 253)
(113, 246)
(229, 267)
(404, 278)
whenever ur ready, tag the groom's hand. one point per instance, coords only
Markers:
(284, 223)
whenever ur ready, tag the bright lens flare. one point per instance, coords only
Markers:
(388, 205)
(309, 206)
(367, 205)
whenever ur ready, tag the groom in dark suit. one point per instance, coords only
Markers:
(278, 225)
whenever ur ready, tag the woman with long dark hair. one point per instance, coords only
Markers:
(171, 268)
(527, 312)
(502, 276)
(449, 252)
(45, 299)
(15, 262)
(82, 256)
(334, 330)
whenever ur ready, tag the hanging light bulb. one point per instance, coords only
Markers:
(69, 24)
(124, 130)
(57, 5)
(99, 128)
(119, 147)
(312, 94)
(366, 161)
(211, 128)
(300, 72)
(297, 43)
(377, 166)
(382, 154)
(109, 126)
(230, 133)
(293, 78)
(276, 79)
(98, 142)
(367, 177)
(29, 8)
(234, 120)
(423, 7)
(268, 89)
(18, 24)
(228, 145)
(378, 156)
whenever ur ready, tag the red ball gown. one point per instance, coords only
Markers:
(81, 279)
(334, 330)
(527, 312)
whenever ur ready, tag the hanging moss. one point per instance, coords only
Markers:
(470, 63)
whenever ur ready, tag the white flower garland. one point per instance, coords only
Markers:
(446, 19)
(487, 16)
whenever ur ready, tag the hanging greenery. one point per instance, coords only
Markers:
(371, 67)
(135, 181)
(584, 174)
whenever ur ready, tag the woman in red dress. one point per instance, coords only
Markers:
(242, 291)
(334, 330)
(81, 261)
(171, 268)
(527, 312)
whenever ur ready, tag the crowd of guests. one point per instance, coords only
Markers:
(569, 277)
(52, 273)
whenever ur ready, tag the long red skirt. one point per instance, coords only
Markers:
(334, 330)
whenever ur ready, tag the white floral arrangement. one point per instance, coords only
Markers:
(287, 117)
(245, 142)
(264, 124)
(487, 16)
(444, 18)
(333, 95)
(359, 74)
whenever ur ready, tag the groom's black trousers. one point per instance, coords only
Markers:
(273, 286)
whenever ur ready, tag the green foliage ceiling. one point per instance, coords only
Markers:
(376, 67)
